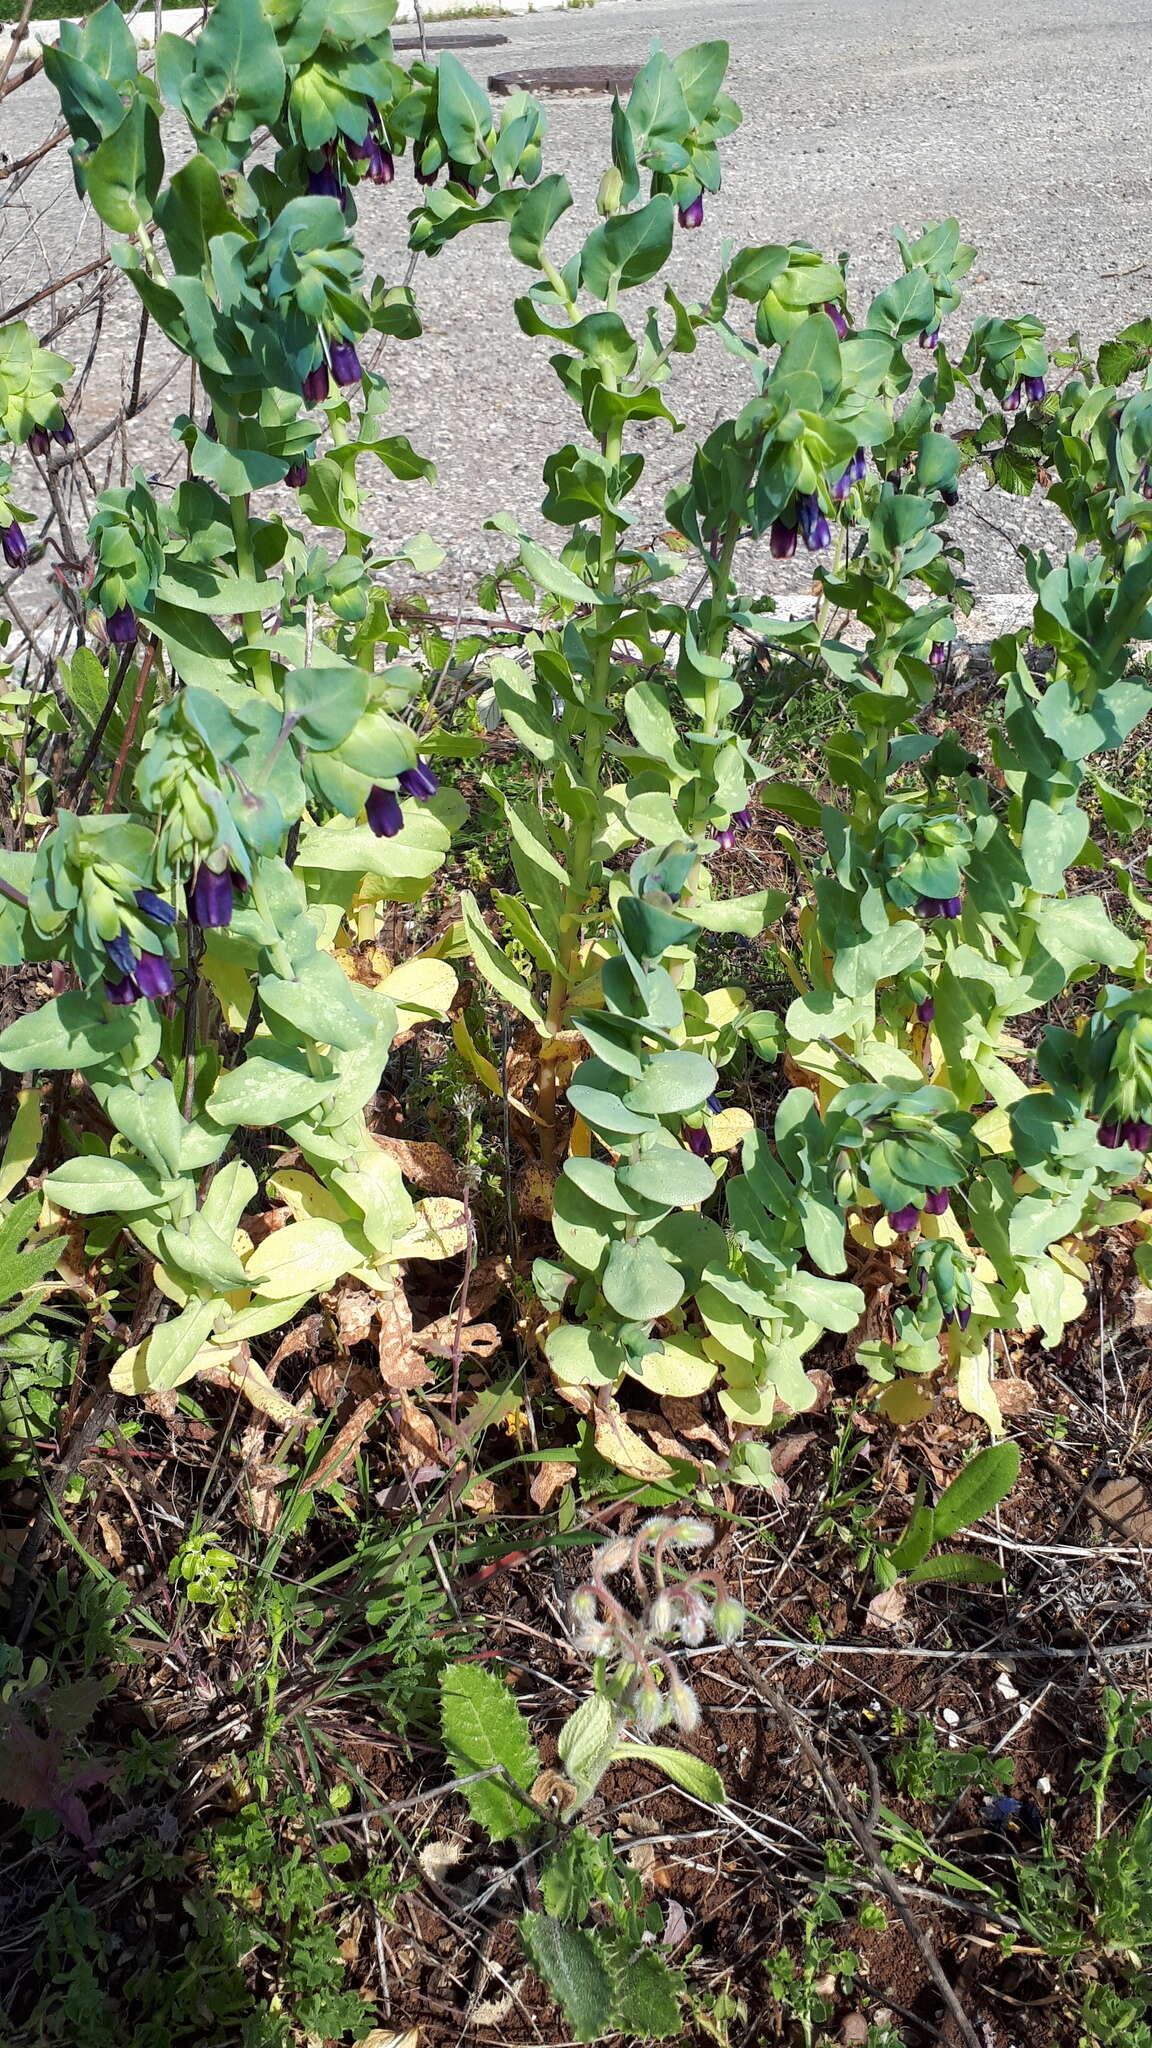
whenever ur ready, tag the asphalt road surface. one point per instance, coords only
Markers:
(1029, 125)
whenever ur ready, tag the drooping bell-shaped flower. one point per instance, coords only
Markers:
(725, 838)
(316, 384)
(692, 215)
(1036, 390)
(325, 184)
(153, 975)
(297, 474)
(836, 315)
(122, 626)
(424, 177)
(123, 992)
(964, 1317)
(63, 434)
(121, 953)
(155, 907)
(904, 1220)
(211, 898)
(345, 362)
(813, 522)
(743, 819)
(936, 1201)
(40, 441)
(420, 781)
(782, 540)
(384, 812)
(1138, 1134)
(926, 1011)
(14, 545)
(951, 906)
(698, 1141)
(1012, 402)
(1109, 1135)
(930, 338)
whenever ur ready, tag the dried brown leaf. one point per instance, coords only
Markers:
(887, 1609)
(477, 1340)
(787, 1449)
(426, 1165)
(111, 1535)
(535, 1190)
(549, 1481)
(417, 1435)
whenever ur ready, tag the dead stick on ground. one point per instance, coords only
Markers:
(861, 1833)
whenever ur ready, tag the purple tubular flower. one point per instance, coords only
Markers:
(122, 627)
(836, 315)
(743, 819)
(926, 1011)
(936, 1201)
(426, 177)
(929, 906)
(963, 1317)
(14, 545)
(698, 1142)
(930, 338)
(297, 474)
(1138, 1134)
(316, 385)
(952, 906)
(713, 1105)
(155, 907)
(40, 441)
(1036, 390)
(725, 838)
(420, 781)
(345, 362)
(938, 653)
(123, 992)
(859, 465)
(1109, 1135)
(210, 899)
(949, 495)
(782, 541)
(120, 953)
(1012, 402)
(64, 434)
(378, 162)
(843, 485)
(948, 1318)
(153, 975)
(813, 523)
(692, 215)
(324, 184)
(384, 812)
(904, 1220)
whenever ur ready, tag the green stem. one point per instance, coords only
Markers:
(227, 426)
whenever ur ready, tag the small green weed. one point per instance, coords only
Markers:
(932, 1774)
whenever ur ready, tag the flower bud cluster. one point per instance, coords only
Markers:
(638, 1648)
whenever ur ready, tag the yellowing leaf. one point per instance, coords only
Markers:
(467, 1048)
(729, 1129)
(994, 1132)
(907, 1400)
(303, 1258)
(723, 1005)
(620, 1446)
(23, 1141)
(307, 1197)
(975, 1391)
(420, 989)
(440, 1231)
(679, 1370)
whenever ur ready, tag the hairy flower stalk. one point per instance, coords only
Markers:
(637, 1669)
